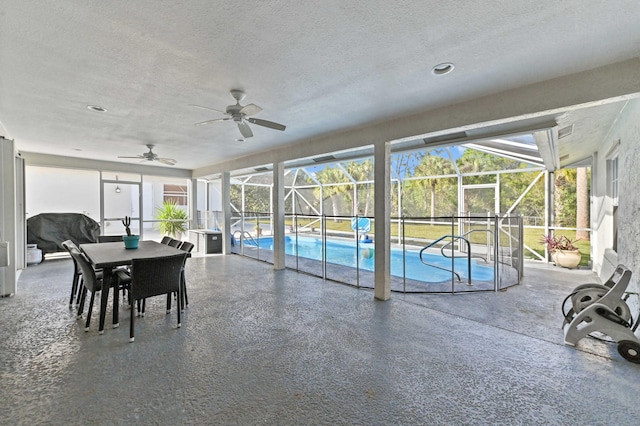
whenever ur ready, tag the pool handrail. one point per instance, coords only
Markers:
(453, 237)
(245, 236)
(444, 247)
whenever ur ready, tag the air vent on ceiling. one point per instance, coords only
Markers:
(323, 159)
(565, 131)
(444, 138)
(261, 169)
(564, 157)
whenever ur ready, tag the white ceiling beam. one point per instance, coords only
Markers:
(539, 101)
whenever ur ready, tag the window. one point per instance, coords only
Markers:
(176, 194)
(613, 165)
(612, 174)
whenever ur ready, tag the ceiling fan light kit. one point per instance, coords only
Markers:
(240, 115)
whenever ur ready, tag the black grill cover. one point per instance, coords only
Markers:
(49, 230)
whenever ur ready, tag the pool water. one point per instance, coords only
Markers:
(344, 253)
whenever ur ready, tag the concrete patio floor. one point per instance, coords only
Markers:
(259, 346)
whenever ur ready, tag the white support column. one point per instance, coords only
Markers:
(193, 204)
(226, 212)
(278, 216)
(382, 213)
(549, 206)
(8, 220)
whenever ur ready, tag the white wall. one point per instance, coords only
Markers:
(8, 220)
(215, 195)
(626, 130)
(55, 190)
(603, 258)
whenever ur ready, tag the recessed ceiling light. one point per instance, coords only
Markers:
(96, 108)
(443, 68)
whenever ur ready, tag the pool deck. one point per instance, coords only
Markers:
(259, 346)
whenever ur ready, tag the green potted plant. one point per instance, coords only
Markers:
(130, 241)
(563, 251)
(173, 219)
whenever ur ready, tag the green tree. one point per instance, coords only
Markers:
(582, 202)
(328, 177)
(256, 198)
(173, 217)
(512, 185)
(401, 166)
(432, 166)
(362, 171)
(565, 201)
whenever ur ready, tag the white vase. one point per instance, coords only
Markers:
(567, 258)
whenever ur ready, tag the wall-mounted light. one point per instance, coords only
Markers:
(117, 189)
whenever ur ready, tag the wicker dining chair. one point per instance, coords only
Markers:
(175, 243)
(90, 282)
(187, 247)
(155, 277)
(166, 239)
(77, 272)
(76, 283)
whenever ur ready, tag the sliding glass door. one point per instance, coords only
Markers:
(120, 197)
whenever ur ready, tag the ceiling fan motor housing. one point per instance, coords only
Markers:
(234, 111)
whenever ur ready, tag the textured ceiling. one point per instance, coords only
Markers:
(320, 68)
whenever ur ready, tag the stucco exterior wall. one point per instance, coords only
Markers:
(603, 257)
(626, 132)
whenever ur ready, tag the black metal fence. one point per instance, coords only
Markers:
(454, 254)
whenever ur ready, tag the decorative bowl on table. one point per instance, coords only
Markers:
(131, 241)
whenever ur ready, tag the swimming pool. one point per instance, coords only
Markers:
(342, 252)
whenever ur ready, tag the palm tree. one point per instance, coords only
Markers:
(332, 175)
(582, 203)
(362, 171)
(432, 166)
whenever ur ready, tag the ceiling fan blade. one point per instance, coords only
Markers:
(137, 156)
(250, 109)
(245, 129)
(265, 123)
(167, 161)
(204, 123)
(210, 109)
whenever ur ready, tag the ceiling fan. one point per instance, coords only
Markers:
(151, 156)
(240, 114)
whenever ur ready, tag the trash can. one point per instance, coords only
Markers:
(34, 254)
(206, 241)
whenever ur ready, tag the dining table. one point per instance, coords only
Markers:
(108, 256)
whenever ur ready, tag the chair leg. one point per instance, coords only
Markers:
(169, 302)
(179, 310)
(116, 306)
(82, 295)
(185, 298)
(80, 288)
(86, 326)
(133, 318)
(74, 288)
